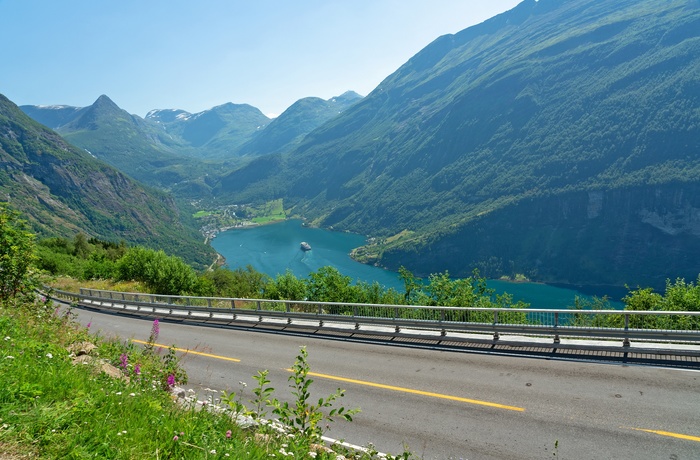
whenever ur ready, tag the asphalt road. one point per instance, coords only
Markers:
(446, 404)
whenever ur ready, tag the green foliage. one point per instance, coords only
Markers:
(304, 417)
(16, 254)
(679, 296)
(411, 283)
(161, 273)
(285, 287)
(327, 284)
(464, 292)
(375, 293)
(239, 283)
(52, 407)
(81, 258)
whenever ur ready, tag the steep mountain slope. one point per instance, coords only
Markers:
(62, 190)
(286, 131)
(584, 113)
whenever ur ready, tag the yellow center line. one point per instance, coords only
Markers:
(687, 437)
(416, 392)
(185, 350)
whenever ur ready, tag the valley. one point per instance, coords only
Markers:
(557, 142)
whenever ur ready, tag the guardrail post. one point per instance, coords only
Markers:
(259, 308)
(443, 332)
(354, 314)
(320, 312)
(556, 325)
(288, 309)
(496, 335)
(626, 341)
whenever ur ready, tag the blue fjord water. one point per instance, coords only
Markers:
(274, 248)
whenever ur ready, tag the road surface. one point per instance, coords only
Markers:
(446, 404)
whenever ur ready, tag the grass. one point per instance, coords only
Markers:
(52, 407)
(69, 284)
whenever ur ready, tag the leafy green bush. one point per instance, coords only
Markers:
(241, 282)
(161, 273)
(16, 253)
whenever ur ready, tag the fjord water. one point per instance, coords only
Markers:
(274, 248)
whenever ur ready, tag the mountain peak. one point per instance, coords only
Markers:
(347, 96)
(104, 101)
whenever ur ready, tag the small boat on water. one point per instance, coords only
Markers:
(305, 246)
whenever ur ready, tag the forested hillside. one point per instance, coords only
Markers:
(560, 139)
(62, 190)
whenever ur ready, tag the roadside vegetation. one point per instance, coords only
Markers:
(66, 392)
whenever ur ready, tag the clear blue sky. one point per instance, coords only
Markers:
(194, 55)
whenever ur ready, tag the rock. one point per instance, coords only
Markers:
(81, 348)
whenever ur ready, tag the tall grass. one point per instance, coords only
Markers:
(53, 405)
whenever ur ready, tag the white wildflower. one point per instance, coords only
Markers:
(49, 355)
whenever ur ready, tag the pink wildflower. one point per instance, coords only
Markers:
(123, 360)
(155, 330)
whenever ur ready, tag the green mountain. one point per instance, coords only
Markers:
(289, 129)
(560, 139)
(216, 133)
(62, 190)
(128, 142)
(182, 152)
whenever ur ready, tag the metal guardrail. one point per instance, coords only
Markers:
(657, 326)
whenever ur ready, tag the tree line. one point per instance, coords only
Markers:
(83, 258)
